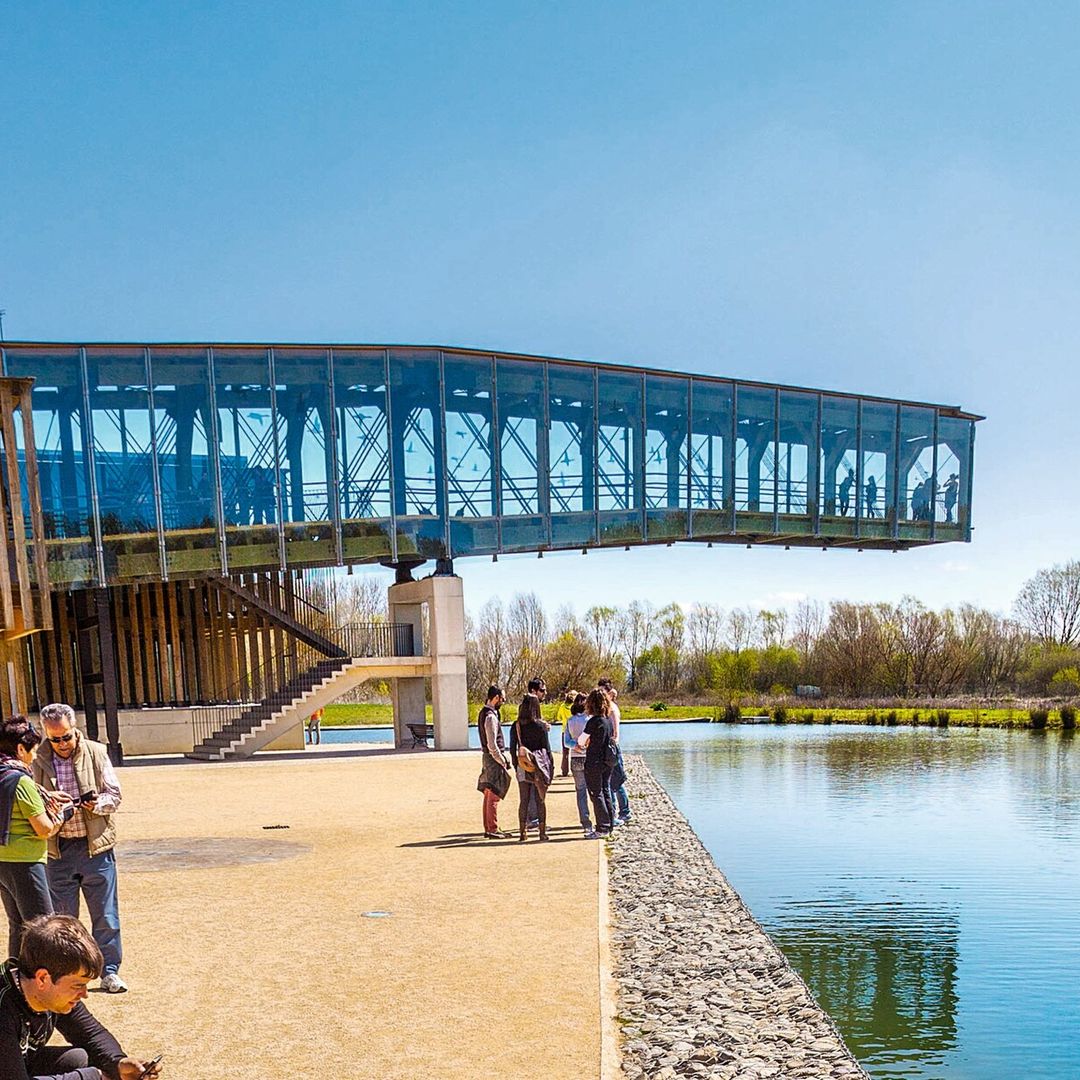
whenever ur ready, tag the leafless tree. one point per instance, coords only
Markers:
(994, 647)
(602, 628)
(807, 625)
(636, 632)
(1049, 604)
(773, 628)
(742, 629)
(705, 629)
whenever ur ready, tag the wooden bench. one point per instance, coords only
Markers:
(421, 733)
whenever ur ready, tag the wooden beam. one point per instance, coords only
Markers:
(18, 522)
(37, 520)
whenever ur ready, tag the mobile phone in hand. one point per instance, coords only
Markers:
(152, 1064)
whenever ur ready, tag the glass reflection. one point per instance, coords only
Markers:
(249, 480)
(667, 461)
(878, 450)
(522, 453)
(797, 453)
(60, 426)
(417, 447)
(755, 456)
(123, 463)
(572, 468)
(302, 389)
(711, 458)
(918, 482)
(184, 424)
(363, 453)
(470, 472)
(619, 451)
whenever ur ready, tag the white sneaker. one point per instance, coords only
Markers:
(113, 984)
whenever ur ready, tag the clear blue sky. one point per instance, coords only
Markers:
(880, 197)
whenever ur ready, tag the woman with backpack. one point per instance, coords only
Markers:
(28, 817)
(530, 750)
(600, 756)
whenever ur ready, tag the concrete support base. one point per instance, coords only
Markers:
(444, 598)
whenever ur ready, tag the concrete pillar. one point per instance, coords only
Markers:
(446, 643)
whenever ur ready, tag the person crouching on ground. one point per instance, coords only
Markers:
(42, 990)
(494, 779)
(596, 740)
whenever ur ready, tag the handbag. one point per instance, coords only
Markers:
(525, 758)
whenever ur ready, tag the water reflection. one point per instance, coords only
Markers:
(885, 972)
(922, 881)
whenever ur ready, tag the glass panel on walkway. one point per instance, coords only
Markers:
(711, 458)
(470, 455)
(878, 452)
(572, 471)
(123, 463)
(954, 452)
(839, 465)
(522, 453)
(797, 457)
(302, 378)
(918, 490)
(755, 459)
(416, 442)
(60, 425)
(182, 420)
(363, 453)
(619, 465)
(667, 409)
(249, 481)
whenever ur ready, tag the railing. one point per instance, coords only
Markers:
(281, 669)
(375, 639)
(256, 686)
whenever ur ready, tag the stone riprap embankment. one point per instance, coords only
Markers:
(703, 991)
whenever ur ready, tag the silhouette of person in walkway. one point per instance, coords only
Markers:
(951, 489)
(871, 497)
(845, 491)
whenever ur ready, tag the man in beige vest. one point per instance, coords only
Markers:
(81, 856)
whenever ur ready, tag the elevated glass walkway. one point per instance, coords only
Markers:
(161, 461)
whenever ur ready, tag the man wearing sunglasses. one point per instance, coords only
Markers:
(81, 855)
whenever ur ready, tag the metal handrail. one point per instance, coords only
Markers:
(273, 676)
(375, 639)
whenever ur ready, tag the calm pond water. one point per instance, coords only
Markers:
(925, 883)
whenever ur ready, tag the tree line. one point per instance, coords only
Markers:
(851, 650)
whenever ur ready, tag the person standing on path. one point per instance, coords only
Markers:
(25, 826)
(575, 728)
(81, 858)
(562, 715)
(620, 801)
(314, 727)
(494, 779)
(599, 758)
(529, 711)
(530, 749)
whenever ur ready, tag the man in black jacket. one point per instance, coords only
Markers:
(42, 990)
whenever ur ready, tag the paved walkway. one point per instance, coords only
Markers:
(263, 964)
